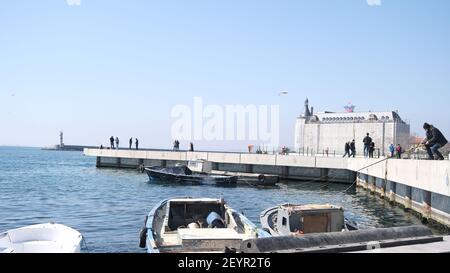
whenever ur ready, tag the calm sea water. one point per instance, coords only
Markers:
(108, 206)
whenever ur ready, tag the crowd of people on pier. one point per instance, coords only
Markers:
(433, 141)
(114, 143)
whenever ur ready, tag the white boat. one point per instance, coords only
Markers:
(42, 238)
(189, 225)
(289, 219)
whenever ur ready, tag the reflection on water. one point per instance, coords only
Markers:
(108, 206)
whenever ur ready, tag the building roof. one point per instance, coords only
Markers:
(331, 117)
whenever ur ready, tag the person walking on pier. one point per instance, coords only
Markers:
(392, 149)
(131, 142)
(117, 143)
(347, 149)
(353, 148)
(137, 144)
(111, 140)
(367, 141)
(434, 141)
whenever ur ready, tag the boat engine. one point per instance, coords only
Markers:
(215, 221)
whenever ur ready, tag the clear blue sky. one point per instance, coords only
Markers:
(118, 67)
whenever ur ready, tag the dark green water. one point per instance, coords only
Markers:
(108, 206)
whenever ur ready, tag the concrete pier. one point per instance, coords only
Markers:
(421, 186)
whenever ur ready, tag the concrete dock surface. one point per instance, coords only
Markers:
(438, 247)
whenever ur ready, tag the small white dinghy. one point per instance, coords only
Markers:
(43, 238)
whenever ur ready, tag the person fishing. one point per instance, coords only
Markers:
(434, 141)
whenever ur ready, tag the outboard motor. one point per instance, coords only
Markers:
(215, 221)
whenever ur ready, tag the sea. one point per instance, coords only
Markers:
(109, 206)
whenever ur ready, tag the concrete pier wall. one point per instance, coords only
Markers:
(417, 185)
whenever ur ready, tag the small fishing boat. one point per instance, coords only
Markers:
(189, 225)
(288, 219)
(249, 179)
(43, 238)
(182, 174)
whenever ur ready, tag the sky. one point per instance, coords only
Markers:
(96, 68)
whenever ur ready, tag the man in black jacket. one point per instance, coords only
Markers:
(347, 149)
(434, 141)
(353, 148)
(367, 141)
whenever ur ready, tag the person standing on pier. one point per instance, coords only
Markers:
(250, 148)
(176, 145)
(131, 142)
(367, 141)
(434, 141)
(392, 149)
(399, 150)
(137, 144)
(191, 147)
(117, 143)
(353, 148)
(371, 149)
(347, 149)
(111, 140)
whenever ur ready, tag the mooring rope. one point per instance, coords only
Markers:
(84, 242)
(376, 163)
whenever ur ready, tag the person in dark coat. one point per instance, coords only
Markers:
(353, 148)
(191, 149)
(434, 141)
(371, 149)
(137, 144)
(111, 140)
(347, 149)
(131, 142)
(367, 141)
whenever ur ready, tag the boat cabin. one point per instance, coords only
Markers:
(200, 166)
(306, 219)
(201, 225)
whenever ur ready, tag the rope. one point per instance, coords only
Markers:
(330, 178)
(387, 158)
(84, 245)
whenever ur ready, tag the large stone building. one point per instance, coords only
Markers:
(315, 133)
